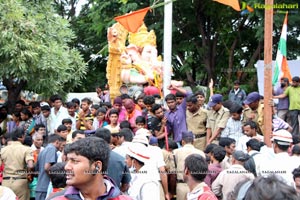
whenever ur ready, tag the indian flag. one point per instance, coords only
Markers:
(281, 65)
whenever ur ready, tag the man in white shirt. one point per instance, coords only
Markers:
(250, 131)
(282, 165)
(58, 113)
(124, 140)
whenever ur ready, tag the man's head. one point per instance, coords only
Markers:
(187, 137)
(171, 101)
(20, 105)
(239, 157)
(71, 107)
(126, 135)
(40, 128)
(296, 176)
(57, 101)
(94, 109)
(85, 104)
(195, 168)
(62, 131)
(250, 128)
(36, 107)
(140, 122)
(252, 100)
(56, 140)
(218, 153)
(77, 104)
(18, 134)
(104, 134)
(68, 123)
(158, 111)
(37, 140)
(77, 135)
(113, 116)
(137, 155)
(228, 144)
(46, 111)
(117, 103)
(236, 112)
(215, 102)
(87, 161)
(282, 139)
(236, 84)
(192, 104)
(253, 144)
(179, 97)
(284, 82)
(57, 175)
(129, 105)
(200, 97)
(149, 101)
(295, 81)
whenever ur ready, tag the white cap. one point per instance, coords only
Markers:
(139, 152)
(282, 137)
(143, 131)
(43, 103)
(140, 139)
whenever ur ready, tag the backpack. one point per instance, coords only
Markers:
(250, 165)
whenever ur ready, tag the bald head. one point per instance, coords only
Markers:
(129, 105)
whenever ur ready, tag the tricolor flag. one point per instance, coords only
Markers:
(281, 65)
(233, 3)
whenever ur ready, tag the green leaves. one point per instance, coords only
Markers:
(34, 47)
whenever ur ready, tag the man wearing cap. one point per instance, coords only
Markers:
(293, 93)
(237, 94)
(196, 118)
(143, 185)
(254, 110)
(229, 178)
(282, 164)
(217, 118)
(179, 156)
(156, 164)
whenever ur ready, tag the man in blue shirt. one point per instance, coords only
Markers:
(46, 159)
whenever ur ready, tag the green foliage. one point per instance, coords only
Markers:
(204, 33)
(34, 48)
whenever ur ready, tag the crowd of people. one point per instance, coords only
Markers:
(134, 147)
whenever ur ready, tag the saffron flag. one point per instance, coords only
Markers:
(281, 65)
(233, 3)
(134, 20)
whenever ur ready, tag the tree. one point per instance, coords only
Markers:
(210, 40)
(34, 51)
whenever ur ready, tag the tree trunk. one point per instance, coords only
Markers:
(14, 89)
(251, 63)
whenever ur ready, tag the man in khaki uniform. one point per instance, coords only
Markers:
(196, 118)
(180, 154)
(254, 110)
(16, 157)
(217, 118)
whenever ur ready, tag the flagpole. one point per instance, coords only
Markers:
(167, 47)
(268, 72)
